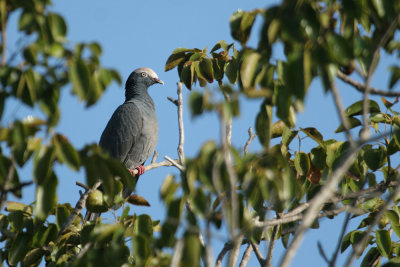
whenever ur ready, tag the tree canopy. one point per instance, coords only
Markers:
(260, 197)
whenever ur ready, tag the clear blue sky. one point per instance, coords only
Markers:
(144, 33)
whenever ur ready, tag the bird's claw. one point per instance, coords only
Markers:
(140, 170)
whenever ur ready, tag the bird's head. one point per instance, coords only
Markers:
(142, 76)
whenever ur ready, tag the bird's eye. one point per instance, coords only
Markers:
(144, 74)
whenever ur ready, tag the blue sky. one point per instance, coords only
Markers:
(144, 33)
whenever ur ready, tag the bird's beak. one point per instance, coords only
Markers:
(156, 80)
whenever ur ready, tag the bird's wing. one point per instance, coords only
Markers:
(122, 131)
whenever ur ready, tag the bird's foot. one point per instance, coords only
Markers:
(140, 170)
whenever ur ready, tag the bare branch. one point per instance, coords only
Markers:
(332, 262)
(174, 163)
(268, 261)
(176, 257)
(154, 158)
(222, 254)
(251, 138)
(322, 252)
(246, 256)
(181, 153)
(361, 87)
(257, 251)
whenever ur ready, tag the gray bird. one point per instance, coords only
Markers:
(132, 132)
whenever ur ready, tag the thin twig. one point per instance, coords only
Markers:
(268, 261)
(257, 251)
(181, 153)
(322, 252)
(332, 262)
(226, 136)
(375, 57)
(176, 257)
(154, 158)
(174, 163)
(246, 256)
(222, 254)
(361, 87)
(251, 138)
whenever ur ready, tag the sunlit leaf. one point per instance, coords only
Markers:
(383, 242)
(357, 108)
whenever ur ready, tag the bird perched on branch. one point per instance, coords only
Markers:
(132, 132)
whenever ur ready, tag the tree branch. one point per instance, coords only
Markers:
(268, 260)
(78, 208)
(365, 133)
(361, 87)
(246, 256)
(257, 251)
(251, 138)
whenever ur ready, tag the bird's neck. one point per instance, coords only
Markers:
(136, 92)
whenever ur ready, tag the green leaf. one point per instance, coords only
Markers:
(42, 161)
(26, 21)
(191, 250)
(314, 134)
(206, 69)
(302, 163)
(371, 256)
(80, 77)
(168, 188)
(231, 71)
(19, 248)
(357, 108)
(379, 7)
(318, 157)
(33, 257)
(187, 76)
(46, 197)
(62, 214)
(294, 74)
(395, 76)
(58, 27)
(241, 23)
(66, 153)
(354, 122)
(263, 124)
(141, 249)
(17, 206)
(375, 158)
(177, 56)
(278, 128)
(248, 70)
(339, 49)
(288, 136)
(196, 103)
(383, 242)
(95, 48)
(144, 226)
